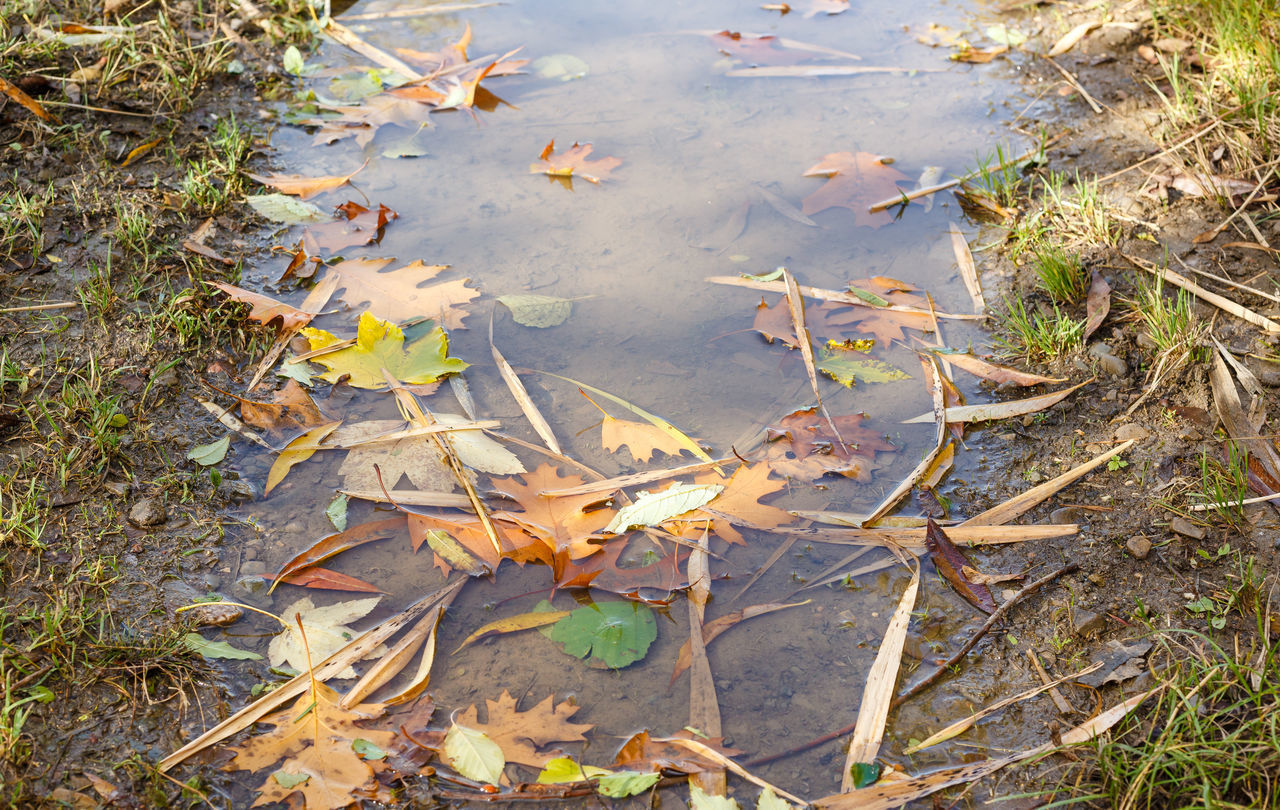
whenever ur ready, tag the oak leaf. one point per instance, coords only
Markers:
(398, 294)
(522, 734)
(417, 458)
(355, 226)
(638, 570)
(291, 409)
(574, 163)
(801, 445)
(314, 738)
(380, 345)
(854, 181)
(741, 500)
(641, 439)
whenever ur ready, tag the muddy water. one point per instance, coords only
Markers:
(695, 146)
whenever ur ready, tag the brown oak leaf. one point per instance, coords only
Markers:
(801, 445)
(574, 163)
(519, 734)
(854, 181)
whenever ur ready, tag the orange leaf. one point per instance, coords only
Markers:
(802, 445)
(302, 186)
(36, 108)
(290, 410)
(741, 500)
(328, 579)
(520, 734)
(560, 523)
(640, 438)
(335, 544)
(574, 163)
(854, 182)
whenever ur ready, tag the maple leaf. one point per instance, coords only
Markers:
(641, 439)
(417, 458)
(574, 163)
(302, 186)
(801, 445)
(521, 734)
(325, 629)
(357, 226)
(314, 737)
(380, 345)
(561, 523)
(854, 182)
(741, 499)
(469, 532)
(363, 121)
(398, 294)
(291, 409)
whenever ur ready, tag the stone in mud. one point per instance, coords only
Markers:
(1109, 362)
(1267, 373)
(1121, 660)
(1131, 431)
(148, 513)
(252, 589)
(253, 568)
(1139, 546)
(214, 615)
(1086, 622)
(1186, 528)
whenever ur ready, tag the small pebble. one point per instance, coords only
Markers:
(1186, 528)
(147, 513)
(1086, 622)
(1139, 546)
(1131, 431)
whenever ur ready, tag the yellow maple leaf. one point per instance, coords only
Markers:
(380, 345)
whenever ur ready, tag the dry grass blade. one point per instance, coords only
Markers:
(807, 71)
(634, 479)
(1064, 708)
(390, 665)
(1227, 402)
(939, 408)
(913, 539)
(521, 395)
(704, 708)
(1001, 410)
(345, 36)
(877, 695)
(961, 726)
(412, 497)
(401, 13)
(795, 303)
(232, 423)
(1074, 82)
(706, 751)
(1225, 304)
(831, 295)
(1019, 505)
(968, 270)
(354, 651)
(393, 436)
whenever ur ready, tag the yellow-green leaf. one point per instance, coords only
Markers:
(474, 755)
(380, 345)
(514, 624)
(296, 452)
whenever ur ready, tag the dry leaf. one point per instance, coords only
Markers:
(574, 163)
(522, 734)
(302, 186)
(855, 181)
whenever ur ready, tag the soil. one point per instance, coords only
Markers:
(97, 416)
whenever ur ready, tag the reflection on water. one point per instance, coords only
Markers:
(710, 178)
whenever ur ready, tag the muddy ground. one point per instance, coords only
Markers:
(107, 527)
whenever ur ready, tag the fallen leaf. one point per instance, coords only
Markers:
(327, 579)
(993, 372)
(651, 577)
(855, 181)
(217, 649)
(206, 455)
(290, 409)
(326, 633)
(951, 562)
(357, 226)
(399, 294)
(380, 345)
(617, 634)
(978, 56)
(640, 438)
(1000, 410)
(34, 107)
(653, 508)
(264, 309)
(284, 209)
(540, 311)
(574, 163)
(848, 364)
(644, 753)
(301, 186)
(700, 800)
(520, 734)
(801, 445)
(472, 754)
(1097, 305)
(614, 784)
(561, 524)
(372, 466)
(296, 452)
(1068, 40)
(514, 624)
(334, 544)
(740, 501)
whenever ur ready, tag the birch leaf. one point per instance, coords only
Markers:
(541, 311)
(326, 633)
(652, 508)
(473, 755)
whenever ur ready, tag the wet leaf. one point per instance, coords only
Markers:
(768, 800)
(997, 374)
(855, 181)
(326, 632)
(951, 562)
(740, 501)
(514, 624)
(284, 209)
(301, 186)
(265, 309)
(292, 61)
(848, 365)
(1000, 410)
(698, 800)
(336, 511)
(616, 634)
(217, 649)
(828, 7)
(326, 579)
(296, 452)
(563, 66)
(560, 524)
(642, 440)
(380, 345)
(290, 410)
(398, 294)
(355, 226)
(206, 455)
(1097, 305)
(375, 465)
(16, 94)
(801, 445)
(652, 508)
(1005, 35)
(521, 733)
(615, 784)
(865, 773)
(644, 753)
(574, 163)
(541, 311)
(472, 754)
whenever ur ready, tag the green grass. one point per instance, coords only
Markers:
(997, 178)
(1225, 483)
(1061, 275)
(1036, 336)
(1211, 739)
(1169, 321)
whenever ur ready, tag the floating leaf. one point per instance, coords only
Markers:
(336, 511)
(652, 508)
(574, 163)
(848, 367)
(614, 633)
(380, 345)
(301, 186)
(865, 773)
(206, 455)
(521, 733)
(284, 209)
(326, 632)
(769, 801)
(563, 66)
(217, 649)
(472, 754)
(289, 781)
(367, 749)
(541, 311)
(296, 452)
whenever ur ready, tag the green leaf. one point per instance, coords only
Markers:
(870, 297)
(1005, 35)
(367, 749)
(563, 66)
(217, 649)
(769, 801)
(380, 345)
(703, 801)
(295, 370)
(541, 311)
(865, 773)
(652, 508)
(850, 367)
(614, 633)
(626, 783)
(336, 511)
(206, 455)
(285, 209)
(473, 755)
(293, 61)
(563, 769)
(41, 694)
(352, 87)
(285, 779)
(774, 276)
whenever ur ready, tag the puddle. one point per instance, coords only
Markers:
(696, 146)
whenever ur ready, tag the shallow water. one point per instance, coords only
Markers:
(646, 325)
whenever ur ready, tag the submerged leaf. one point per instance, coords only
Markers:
(848, 366)
(574, 163)
(380, 345)
(326, 633)
(614, 633)
(285, 209)
(296, 452)
(541, 311)
(217, 649)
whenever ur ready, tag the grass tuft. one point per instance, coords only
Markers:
(1061, 275)
(1036, 336)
